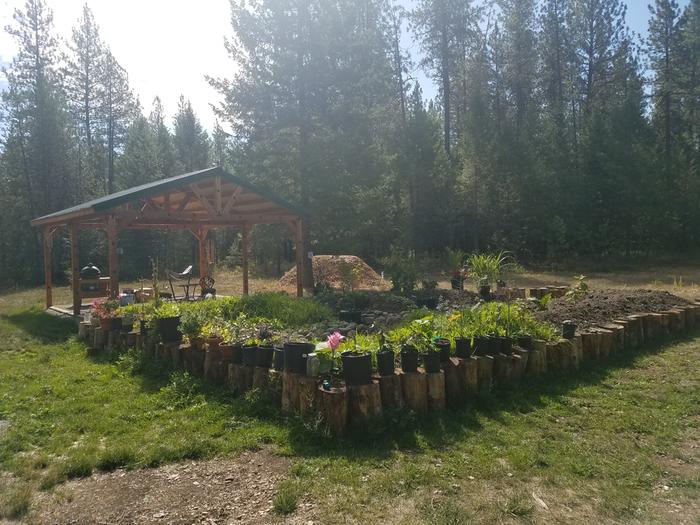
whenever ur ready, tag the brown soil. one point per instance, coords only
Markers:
(238, 490)
(328, 270)
(601, 306)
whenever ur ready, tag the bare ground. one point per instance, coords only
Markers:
(218, 491)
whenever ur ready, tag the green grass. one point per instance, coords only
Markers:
(591, 443)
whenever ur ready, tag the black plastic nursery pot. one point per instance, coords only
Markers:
(117, 323)
(409, 359)
(295, 357)
(167, 328)
(463, 347)
(457, 282)
(482, 345)
(443, 346)
(525, 341)
(357, 368)
(505, 345)
(237, 354)
(264, 356)
(250, 353)
(143, 326)
(385, 362)
(568, 329)
(485, 292)
(278, 359)
(350, 316)
(431, 362)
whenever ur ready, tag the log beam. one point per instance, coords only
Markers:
(113, 256)
(48, 278)
(244, 256)
(75, 268)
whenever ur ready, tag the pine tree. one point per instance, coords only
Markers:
(190, 139)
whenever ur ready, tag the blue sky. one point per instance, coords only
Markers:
(147, 39)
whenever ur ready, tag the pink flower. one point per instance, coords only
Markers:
(334, 340)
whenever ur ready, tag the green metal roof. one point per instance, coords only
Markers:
(154, 188)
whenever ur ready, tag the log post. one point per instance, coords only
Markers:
(245, 233)
(365, 402)
(436, 391)
(553, 358)
(390, 388)
(485, 373)
(334, 407)
(202, 233)
(261, 377)
(290, 391)
(113, 256)
(455, 382)
(471, 374)
(415, 391)
(308, 390)
(48, 275)
(299, 251)
(75, 268)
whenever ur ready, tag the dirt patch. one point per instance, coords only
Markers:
(217, 491)
(601, 306)
(329, 270)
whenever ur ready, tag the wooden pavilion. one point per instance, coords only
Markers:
(197, 201)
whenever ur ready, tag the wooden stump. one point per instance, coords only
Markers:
(517, 365)
(606, 341)
(98, 339)
(109, 344)
(261, 377)
(576, 352)
(175, 354)
(470, 370)
(390, 388)
(553, 358)
(365, 402)
(290, 391)
(635, 330)
(501, 369)
(618, 336)
(415, 391)
(455, 386)
(83, 329)
(308, 389)
(245, 378)
(524, 358)
(91, 351)
(196, 361)
(485, 373)
(334, 408)
(131, 339)
(537, 362)
(436, 391)
(232, 378)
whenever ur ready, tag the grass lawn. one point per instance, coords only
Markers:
(615, 443)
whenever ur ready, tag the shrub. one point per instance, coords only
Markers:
(491, 267)
(114, 458)
(287, 497)
(15, 500)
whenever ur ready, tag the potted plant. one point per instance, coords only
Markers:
(409, 358)
(385, 358)
(167, 322)
(455, 263)
(463, 344)
(294, 356)
(104, 311)
(490, 268)
(568, 329)
(213, 332)
(191, 325)
(443, 347)
(357, 365)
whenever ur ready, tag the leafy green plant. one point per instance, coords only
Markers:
(579, 290)
(488, 268)
(349, 276)
(543, 302)
(455, 260)
(403, 271)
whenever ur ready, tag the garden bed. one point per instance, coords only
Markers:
(602, 306)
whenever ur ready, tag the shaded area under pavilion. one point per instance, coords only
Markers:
(197, 201)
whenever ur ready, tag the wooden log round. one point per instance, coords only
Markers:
(436, 391)
(485, 373)
(455, 382)
(261, 377)
(175, 356)
(606, 341)
(245, 379)
(537, 363)
(415, 391)
(308, 389)
(516, 366)
(99, 338)
(390, 389)
(636, 331)
(553, 359)
(83, 329)
(334, 408)
(502, 369)
(290, 391)
(232, 377)
(470, 370)
(365, 402)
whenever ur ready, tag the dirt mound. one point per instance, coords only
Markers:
(237, 490)
(601, 306)
(330, 270)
